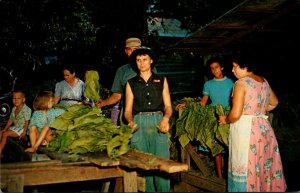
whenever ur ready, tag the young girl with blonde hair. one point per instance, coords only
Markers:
(42, 117)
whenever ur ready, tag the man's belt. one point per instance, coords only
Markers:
(150, 113)
(67, 99)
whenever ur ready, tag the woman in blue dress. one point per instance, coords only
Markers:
(70, 90)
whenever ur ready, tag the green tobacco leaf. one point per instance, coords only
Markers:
(60, 123)
(92, 86)
(222, 133)
(184, 140)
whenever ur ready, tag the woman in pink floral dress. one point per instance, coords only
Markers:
(254, 160)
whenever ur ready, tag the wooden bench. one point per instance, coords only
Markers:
(14, 176)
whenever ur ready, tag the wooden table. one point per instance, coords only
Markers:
(14, 176)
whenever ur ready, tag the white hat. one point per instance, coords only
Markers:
(133, 42)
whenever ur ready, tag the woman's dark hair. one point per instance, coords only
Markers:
(140, 52)
(245, 61)
(69, 67)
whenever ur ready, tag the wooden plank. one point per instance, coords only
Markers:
(197, 159)
(138, 159)
(185, 187)
(132, 159)
(98, 158)
(174, 167)
(61, 174)
(130, 181)
(37, 157)
(65, 157)
(211, 183)
(147, 161)
(30, 164)
(102, 160)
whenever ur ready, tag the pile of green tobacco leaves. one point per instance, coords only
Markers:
(200, 123)
(82, 129)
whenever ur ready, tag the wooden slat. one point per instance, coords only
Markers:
(147, 161)
(30, 164)
(87, 167)
(243, 26)
(254, 26)
(211, 183)
(185, 187)
(65, 157)
(132, 159)
(104, 161)
(97, 158)
(197, 159)
(61, 174)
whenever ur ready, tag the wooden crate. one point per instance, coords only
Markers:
(202, 176)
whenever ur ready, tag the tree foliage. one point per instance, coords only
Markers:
(32, 29)
(89, 31)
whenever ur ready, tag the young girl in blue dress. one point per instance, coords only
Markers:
(42, 117)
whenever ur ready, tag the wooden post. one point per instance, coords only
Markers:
(185, 157)
(130, 181)
(15, 183)
(141, 183)
(105, 186)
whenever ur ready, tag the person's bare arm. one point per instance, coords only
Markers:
(167, 101)
(204, 100)
(179, 106)
(8, 124)
(129, 105)
(273, 101)
(238, 99)
(23, 135)
(56, 99)
(112, 99)
(164, 124)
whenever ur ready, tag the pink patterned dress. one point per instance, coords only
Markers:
(254, 160)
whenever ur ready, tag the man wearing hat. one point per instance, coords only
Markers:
(123, 74)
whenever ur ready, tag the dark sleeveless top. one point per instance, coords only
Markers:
(147, 95)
